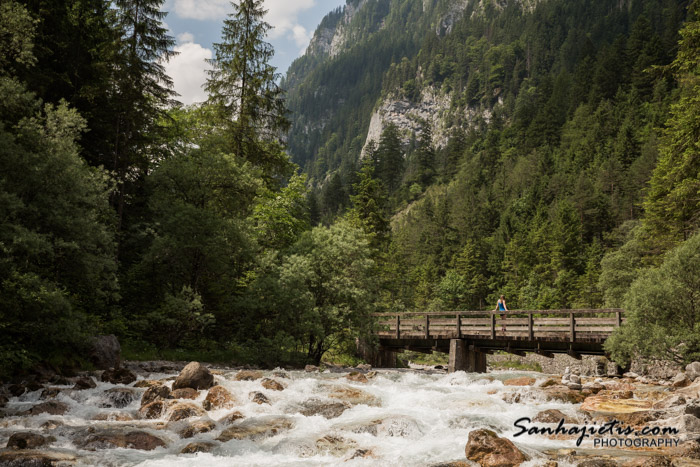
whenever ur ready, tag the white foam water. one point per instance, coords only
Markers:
(415, 419)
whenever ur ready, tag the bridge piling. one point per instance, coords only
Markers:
(464, 357)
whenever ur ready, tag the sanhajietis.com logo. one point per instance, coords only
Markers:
(611, 434)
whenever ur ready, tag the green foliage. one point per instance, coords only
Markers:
(662, 306)
(57, 268)
(515, 365)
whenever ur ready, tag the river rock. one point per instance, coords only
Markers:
(352, 396)
(154, 393)
(672, 400)
(113, 417)
(231, 418)
(147, 383)
(547, 383)
(608, 404)
(248, 375)
(563, 394)
(310, 368)
(272, 385)
(86, 382)
(335, 445)
(598, 462)
(185, 393)
(357, 377)
(50, 407)
(488, 450)
(50, 393)
(31, 458)
(26, 440)
(524, 381)
(194, 448)
(680, 381)
(550, 416)
(118, 376)
(3, 400)
(119, 397)
(197, 427)
(195, 376)
(183, 410)
(155, 409)
(692, 370)
(106, 352)
(259, 398)
(257, 428)
(327, 409)
(109, 439)
(219, 397)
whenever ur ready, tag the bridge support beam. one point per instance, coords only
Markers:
(464, 359)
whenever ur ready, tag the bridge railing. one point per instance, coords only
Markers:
(560, 325)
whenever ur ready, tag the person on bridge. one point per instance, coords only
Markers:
(501, 306)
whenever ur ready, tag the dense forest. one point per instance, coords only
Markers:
(261, 227)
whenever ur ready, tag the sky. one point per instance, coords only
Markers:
(196, 25)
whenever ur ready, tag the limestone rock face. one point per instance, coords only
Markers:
(219, 398)
(195, 376)
(488, 450)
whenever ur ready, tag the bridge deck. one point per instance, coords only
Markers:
(581, 331)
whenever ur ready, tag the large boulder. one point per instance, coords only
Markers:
(550, 416)
(185, 393)
(488, 450)
(195, 376)
(118, 376)
(26, 440)
(272, 385)
(197, 427)
(563, 394)
(106, 352)
(218, 397)
(356, 377)
(692, 370)
(353, 396)
(680, 381)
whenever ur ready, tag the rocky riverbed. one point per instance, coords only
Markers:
(159, 413)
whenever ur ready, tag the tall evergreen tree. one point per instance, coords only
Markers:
(243, 85)
(390, 157)
(142, 91)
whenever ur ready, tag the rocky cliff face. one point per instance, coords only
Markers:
(329, 40)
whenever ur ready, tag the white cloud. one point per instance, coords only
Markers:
(282, 15)
(188, 71)
(185, 37)
(200, 9)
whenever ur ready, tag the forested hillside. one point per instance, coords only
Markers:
(540, 150)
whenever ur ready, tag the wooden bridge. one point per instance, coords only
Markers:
(469, 335)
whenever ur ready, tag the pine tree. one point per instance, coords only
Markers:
(367, 210)
(426, 156)
(390, 157)
(243, 85)
(142, 91)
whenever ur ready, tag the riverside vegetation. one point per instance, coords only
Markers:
(562, 172)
